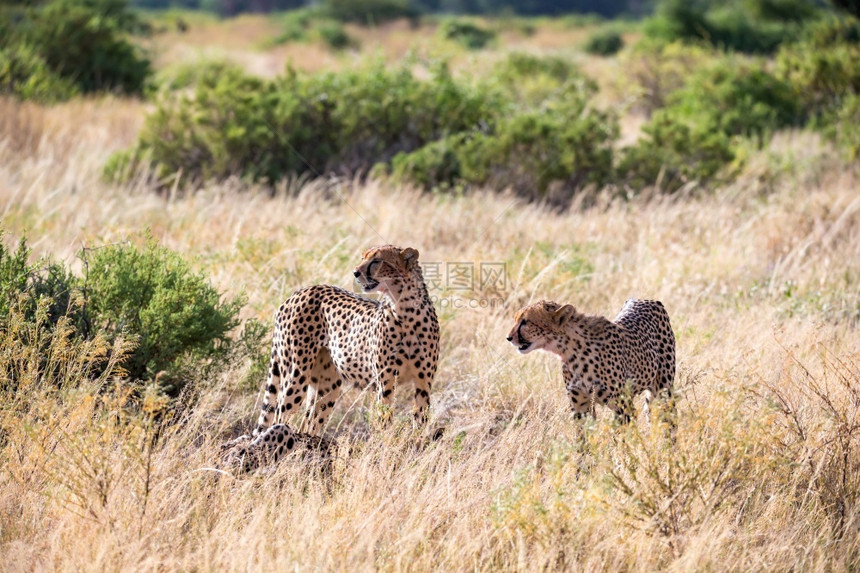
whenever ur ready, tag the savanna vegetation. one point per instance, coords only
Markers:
(169, 177)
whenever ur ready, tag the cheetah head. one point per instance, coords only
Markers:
(382, 267)
(539, 325)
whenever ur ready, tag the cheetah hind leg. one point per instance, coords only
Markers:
(327, 388)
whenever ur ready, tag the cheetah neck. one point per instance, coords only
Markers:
(580, 333)
(409, 295)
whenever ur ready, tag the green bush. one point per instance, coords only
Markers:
(334, 36)
(152, 294)
(45, 282)
(731, 28)
(532, 80)
(821, 77)
(751, 26)
(736, 99)
(296, 25)
(434, 166)
(314, 22)
(85, 42)
(541, 153)
(370, 12)
(434, 132)
(672, 153)
(466, 33)
(692, 137)
(604, 43)
(25, 75)
(845, 129)
(343, 122)
(519, 66)
(832, 31)
(581, 20)
(655, 71)
(190, 75)
(567, 145)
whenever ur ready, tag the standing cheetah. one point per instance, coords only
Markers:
(327, 338)
(603, 362)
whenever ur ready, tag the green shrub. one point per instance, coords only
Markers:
(832, 31)
(370, 12)
(466, 33)
(84, 41)
(186, 76)
(671, 154)
(542, 153)
(604, 43)
(521, 65)
(525, 27)
(736, 99)
(434, 133)
(655, 71)
(678, 20)
(45, 283)
(314, 22)
(14, 274)
(821, 77)
(564, 146)
(434, 166)
(533, 79)
(296, 25)
(343, 122)
(691, 138)
(334, 36)
(731, 28)
(845, 129)
(25, 75)
(152, 294)
(581, 20)
(752, 26)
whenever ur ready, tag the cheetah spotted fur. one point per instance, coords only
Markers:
(327, 339)
(603, 362)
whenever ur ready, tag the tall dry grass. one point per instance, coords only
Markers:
(761, 280)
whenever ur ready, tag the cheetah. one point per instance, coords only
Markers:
(327, 339)
(603, 362)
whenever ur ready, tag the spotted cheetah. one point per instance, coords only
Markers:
(327, 339)
(603, 362)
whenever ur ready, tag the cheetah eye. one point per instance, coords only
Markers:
(370, 266)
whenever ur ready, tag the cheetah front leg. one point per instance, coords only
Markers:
(270, 393)
(385, 389)
(622, 403)
(580, 401)
(423, 383)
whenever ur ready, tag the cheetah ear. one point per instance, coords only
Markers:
(564, 314)
(410, 257)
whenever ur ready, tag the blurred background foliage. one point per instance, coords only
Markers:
(712, 79)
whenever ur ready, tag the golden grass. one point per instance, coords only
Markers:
(761, 280)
